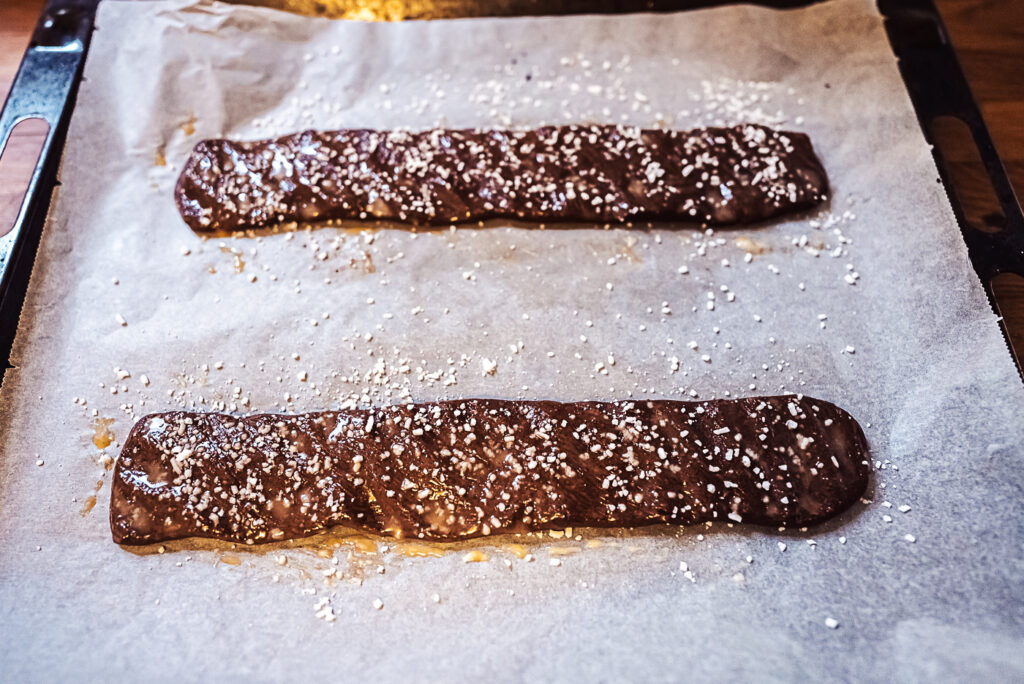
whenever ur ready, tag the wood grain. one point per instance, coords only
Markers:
(988, 36)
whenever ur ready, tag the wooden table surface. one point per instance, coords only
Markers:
(988, 36)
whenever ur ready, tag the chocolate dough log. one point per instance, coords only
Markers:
(460, 469)
(556, 173)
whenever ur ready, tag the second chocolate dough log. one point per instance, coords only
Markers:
(460, 469)
(583, 173)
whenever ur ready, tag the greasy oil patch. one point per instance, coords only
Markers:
(752, 246)
(102, 435)
(237, 262)
(90, 501)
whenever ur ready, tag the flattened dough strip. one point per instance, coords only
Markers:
(583, 173)
(460, 469)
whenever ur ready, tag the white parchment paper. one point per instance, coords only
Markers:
(870, 303)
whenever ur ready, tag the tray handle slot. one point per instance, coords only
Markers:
(44, 88)
(939, 90)
(952, 123)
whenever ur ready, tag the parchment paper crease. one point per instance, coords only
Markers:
(911, 349)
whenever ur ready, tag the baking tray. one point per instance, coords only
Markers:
(47, 81)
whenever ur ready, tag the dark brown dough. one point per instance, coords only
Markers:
(460, 469)
(586, 173)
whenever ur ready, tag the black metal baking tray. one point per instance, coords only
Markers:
(47, 82)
